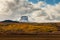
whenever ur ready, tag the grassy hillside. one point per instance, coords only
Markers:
(27, 27)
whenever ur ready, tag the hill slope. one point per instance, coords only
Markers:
(27, 28)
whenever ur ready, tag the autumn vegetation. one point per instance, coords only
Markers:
(27, 27)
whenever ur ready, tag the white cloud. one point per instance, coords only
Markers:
(14, 9)
(52, 13)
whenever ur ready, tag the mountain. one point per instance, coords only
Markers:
(10, 21)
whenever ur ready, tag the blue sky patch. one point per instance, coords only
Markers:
(52, 2)
(33, 1)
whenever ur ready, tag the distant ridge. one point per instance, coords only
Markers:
(10, 21)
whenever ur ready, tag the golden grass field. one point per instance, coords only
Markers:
(29, 28)
(19, 31)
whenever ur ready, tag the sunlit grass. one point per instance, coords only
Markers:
(27, 28)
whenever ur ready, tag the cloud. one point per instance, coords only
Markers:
(52, 13)
(39, 12)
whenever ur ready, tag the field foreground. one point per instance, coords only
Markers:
(29, 31)
(28, 28)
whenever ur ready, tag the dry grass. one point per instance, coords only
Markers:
(27, 27)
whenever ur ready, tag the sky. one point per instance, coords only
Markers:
(47, 1)
(36, 11)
